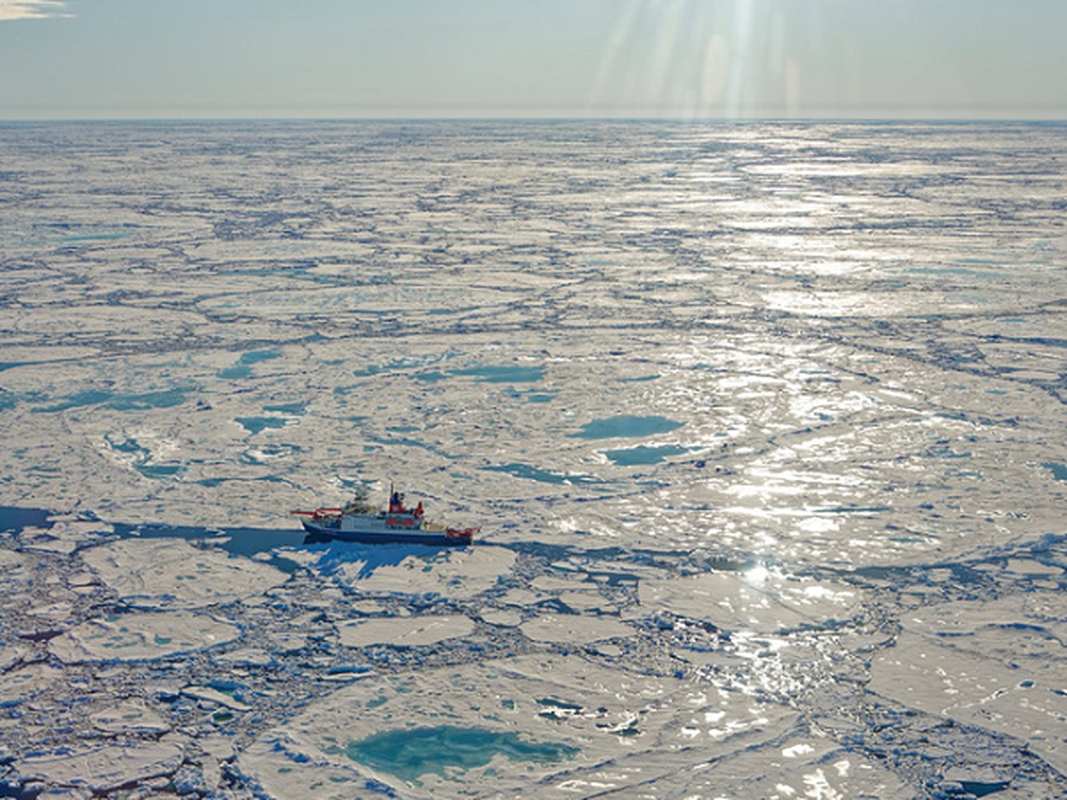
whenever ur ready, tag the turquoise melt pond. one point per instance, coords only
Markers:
(644, 455)
(627, 427)
(412, 753)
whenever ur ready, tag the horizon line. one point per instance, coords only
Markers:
(543, 118)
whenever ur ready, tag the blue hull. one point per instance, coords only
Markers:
(386, 537)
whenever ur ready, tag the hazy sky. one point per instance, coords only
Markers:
(686, 59)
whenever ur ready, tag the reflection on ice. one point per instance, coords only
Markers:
(996, 664)
(734, 601)
(812, 767)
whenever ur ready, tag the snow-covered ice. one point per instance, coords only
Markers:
(139, 636)
(404, 632)
(102, 769)
(167, 573)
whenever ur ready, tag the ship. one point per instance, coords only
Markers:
(359, 521)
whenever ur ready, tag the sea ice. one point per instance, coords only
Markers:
(21, 683)
(565, 628)
(995, 664)
(801, 766)
(130, 717)
(826, 361)
(575, 717)
(102, 768)
(755, 601)
(141, 636)
(216, 697)
(405, 632)
(171, 573)
(505, 617)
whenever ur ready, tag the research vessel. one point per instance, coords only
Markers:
(359, 521)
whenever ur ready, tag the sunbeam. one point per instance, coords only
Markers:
(696, 60)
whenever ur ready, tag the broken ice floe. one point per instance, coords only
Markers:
(404, 632)
(141, 636)
(171, 573)
(102, 768)
(63, 535)
(996, 664)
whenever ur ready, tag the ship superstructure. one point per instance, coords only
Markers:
(359, 521)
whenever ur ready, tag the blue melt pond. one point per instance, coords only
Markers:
(168, 398)
(431, 377)
(1059, 471)
(634, 456)
(159, 470)
(243, 367)
(626, 427)
(256, 425)
(504, 374)
(540, 475)
(409, 754)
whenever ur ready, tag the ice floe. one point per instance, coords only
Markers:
(404, 632)
(141, 636)
(754, 601)
(130, 717)
(498, 726)
(996, 664)
(171, 573)
(566, 628)
(100, 769)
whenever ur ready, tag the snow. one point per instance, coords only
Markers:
(168, 573)
(140, 636)
(102, 768)
(404, 632)
(995, 664)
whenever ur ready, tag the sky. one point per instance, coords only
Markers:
(677, 59)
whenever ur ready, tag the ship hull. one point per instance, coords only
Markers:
(347, 533)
